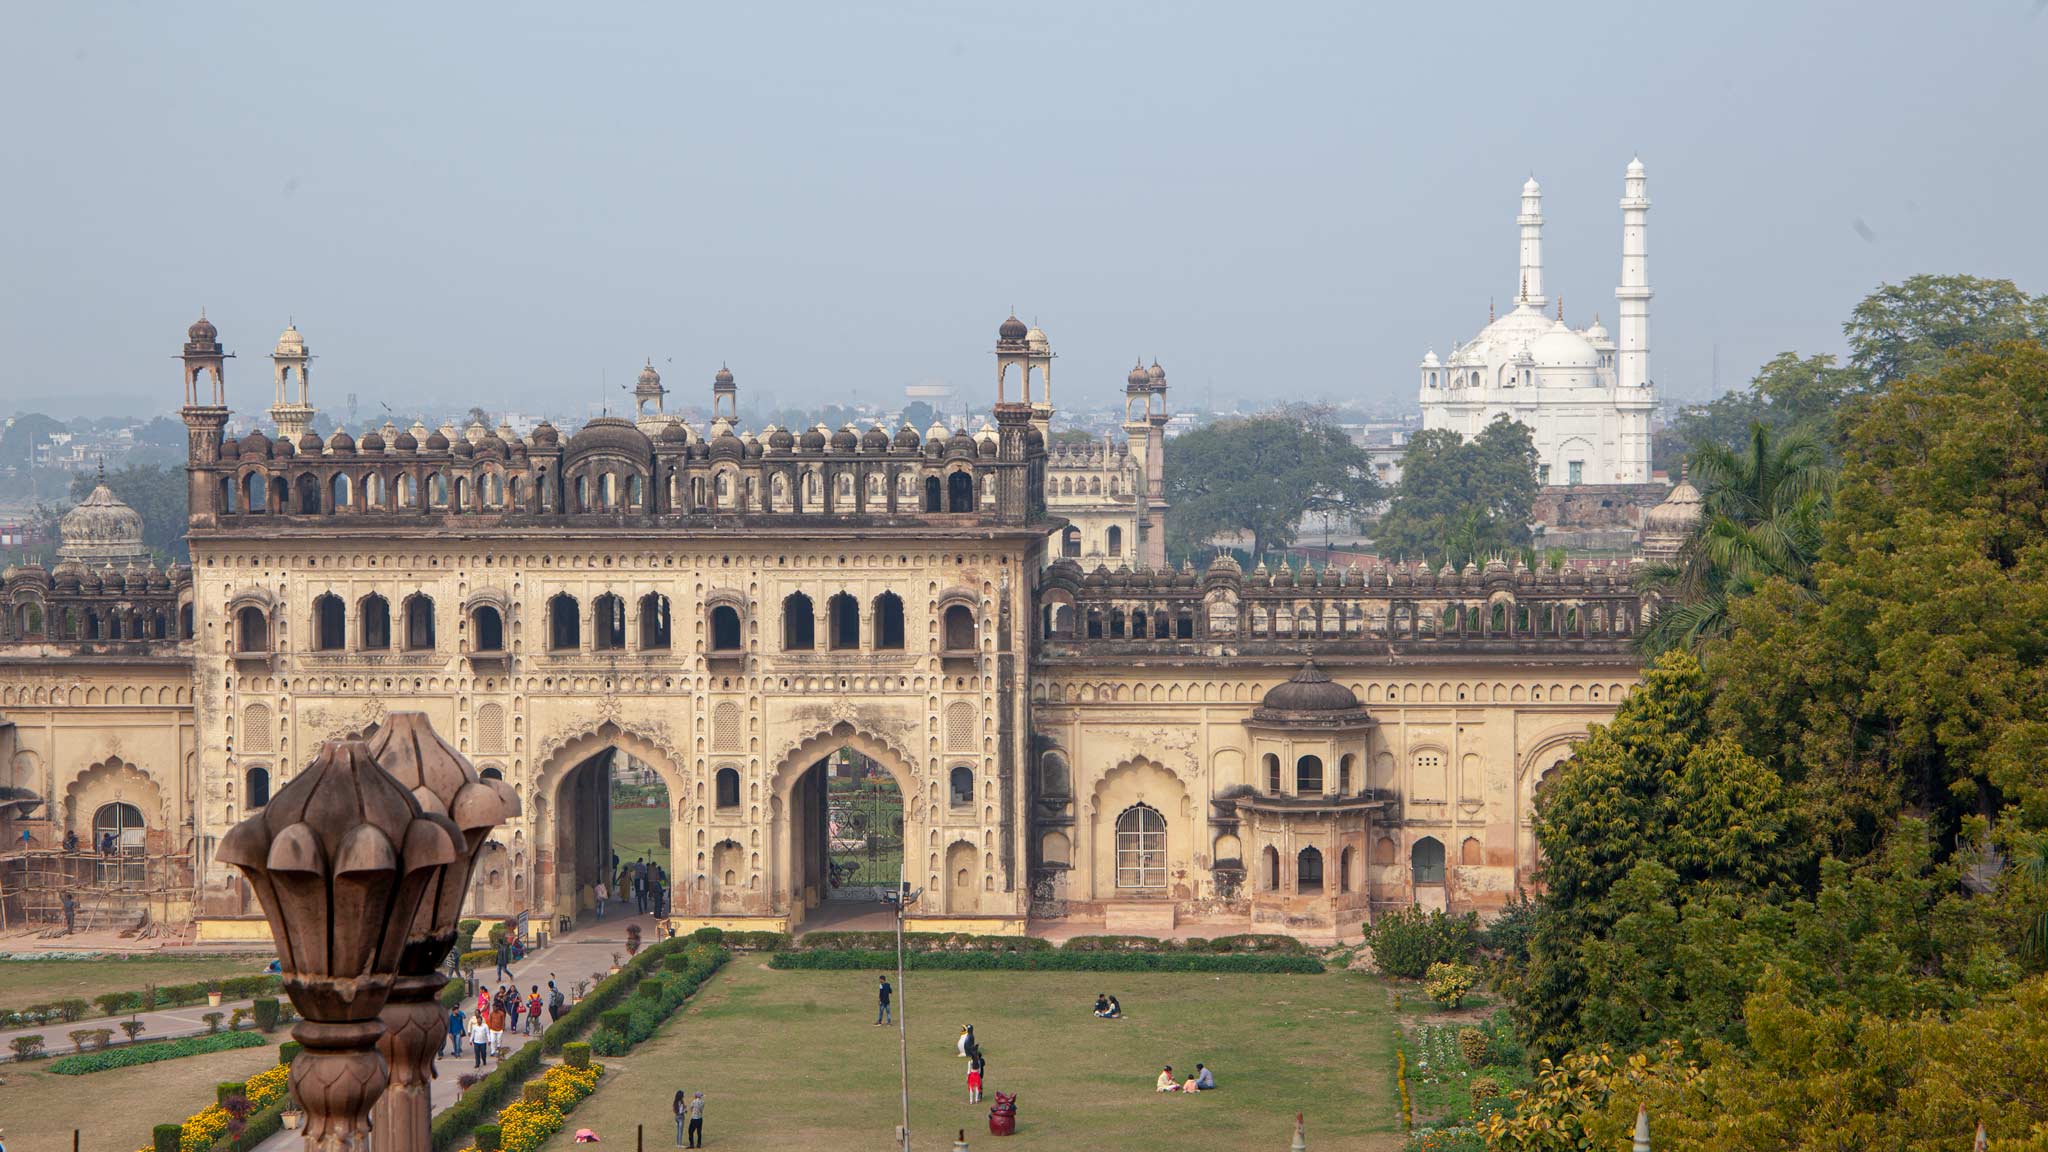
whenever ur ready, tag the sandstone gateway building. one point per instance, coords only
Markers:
(1275, 750)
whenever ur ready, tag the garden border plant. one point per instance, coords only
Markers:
(128, 1055)
(1051, 961)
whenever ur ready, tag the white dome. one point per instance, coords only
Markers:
(290, 343)
(1036, 341)
(1532, 188)
(102, 531)
(1563, 348)
(1635, 166)
(1430, 360)
(1507, 338)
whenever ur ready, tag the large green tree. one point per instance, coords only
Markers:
(1906, 329)
(1259, 476)
(1461, 500)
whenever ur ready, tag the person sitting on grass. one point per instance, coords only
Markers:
(1165, 1082)
(1106, 1007)
(1204, 1080)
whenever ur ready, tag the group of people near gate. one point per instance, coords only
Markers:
(500, 1012)
(643, 880)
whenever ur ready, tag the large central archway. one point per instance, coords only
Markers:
(579, 843)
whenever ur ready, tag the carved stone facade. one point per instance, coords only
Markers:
(1137, 746)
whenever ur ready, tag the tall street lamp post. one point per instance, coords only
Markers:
(902, 898)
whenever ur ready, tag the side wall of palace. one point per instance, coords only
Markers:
(1456, 747)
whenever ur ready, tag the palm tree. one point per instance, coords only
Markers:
(1762, 509)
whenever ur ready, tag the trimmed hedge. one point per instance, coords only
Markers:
(1222, 945)
(128, 1055)
(1054, 961)
(919, 942)
(486, 1096)
(756, 941)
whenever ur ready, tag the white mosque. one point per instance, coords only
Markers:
(1586, 397)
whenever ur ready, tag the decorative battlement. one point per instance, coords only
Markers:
(120, 611)
(1501, 607)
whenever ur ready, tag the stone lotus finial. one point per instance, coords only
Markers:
(340, 859)
(442, 781)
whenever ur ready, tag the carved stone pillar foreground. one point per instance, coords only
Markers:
(442, 781)
(340, 859)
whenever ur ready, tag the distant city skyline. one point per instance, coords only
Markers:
(517, 210)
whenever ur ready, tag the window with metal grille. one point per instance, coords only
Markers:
(1140, 848)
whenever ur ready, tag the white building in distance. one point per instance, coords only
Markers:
(1586, 398)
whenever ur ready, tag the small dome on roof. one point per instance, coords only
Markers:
(229, 449)
(1531, 188)
(546, 435)
(1157, 375)
(372, 441)
(202, 330)
(610, 432)
(341, 441)
(874, 440)
(1563, 348)
(649, 378)
(673, 433)
(846, 439)
(1309, 691)
(437, 441)
(907, 439)
(310, 443)
(1429, 360)
(938, 431)
(1635, 166)
(290, 343)
(725, 445)
(813, 440)
(780, 439)
(722, 378)
(1678, 514)
(1036, 341)
(1012, 329)
(1139, 378)
(405, 442)
(101, 530)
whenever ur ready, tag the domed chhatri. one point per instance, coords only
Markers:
(1310, 691)
(102, 532)
(1139, 377)
(1013, 329)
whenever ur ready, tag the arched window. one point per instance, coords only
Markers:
(960, 788)
(408, 491)
(184, 621)
(607, 623)
(1053, 777)
(565, 623)
(1116, 540)
(1345, 863)
(1271, 859)
(492, 774)
(1344, 774)
(330, 623)
(1427, 860)
(419, 623)
(1308, 776)
(338, 489)
(843, 617)
(121, 821)
(960, 492)
(1140, 848)
(931, 494)
(889, 622)
(959, 631)
(254, 493)
(799, 623)
(654, 622)
(252, 630)
(1308, 871)
(487, 628)
(309, 495)
(256, 786)
(374, 613)
(728, 788)
(1272, 763)
(582, 493)
(725, 628)
(1070, 541)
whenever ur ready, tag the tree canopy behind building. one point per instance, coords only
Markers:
(1259, 476)
(1461, 500)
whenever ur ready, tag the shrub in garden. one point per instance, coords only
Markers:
(1473, 1045)
(213, 1020)
(166, 1137)
(487, 1138)
(133, 1028)
(1054, 961)
(576, 1055)
(266, 1012)
(708, 935)
(287, 1050)
(1407, 941)
(1483, 1088)
(128, 1055)
(235, 1019)
(1447, 982)
(26, 1047)
(115, 1003)
(649, 989)
(78, 1038)
(619, 1020)
(72, 1010)
(225, 1089)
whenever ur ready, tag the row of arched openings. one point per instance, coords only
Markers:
(1308, 775)
(843, 624)
(1308, 870)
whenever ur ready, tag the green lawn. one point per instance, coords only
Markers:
(41, 981)
(116, 1110)
(791, 1060)
(636, 832)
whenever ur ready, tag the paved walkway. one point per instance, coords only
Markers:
(585, 951)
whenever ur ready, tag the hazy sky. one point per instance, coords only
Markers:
(498, 203)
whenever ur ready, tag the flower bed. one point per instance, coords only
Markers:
(203, 1129)
(131, 1054)
(526, 1123)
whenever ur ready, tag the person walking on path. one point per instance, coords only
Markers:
(696, 1129)
(456, 1027)
(512, 1010)
(555, 1001)
(533, 1010)
(882, 995)
(602, 893)
(504, 960)
(480, 1038)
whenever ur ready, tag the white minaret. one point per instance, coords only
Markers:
(1531, 221)
(291, 363)
(1633, 363)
